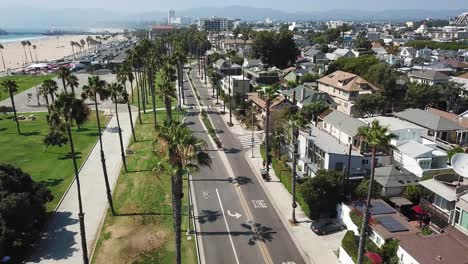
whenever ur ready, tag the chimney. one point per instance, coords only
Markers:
(294, 97)
(302, 94)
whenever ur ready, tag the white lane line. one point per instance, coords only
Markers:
(227, 227)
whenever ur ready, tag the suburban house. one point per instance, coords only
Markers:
(412, 152)
(314, 55)
(429, 77)
(235, 43)
(320, 150)
(462, 136)
(407, 52)
(250, 63)
(303, 95)
(339, 53)
(276, 106)
(393, 179)
(223, 67)
(300, 40)
(385, 223)
(440, 130)
(463, 80)
(237, 83)
(261, 77)
(446, 201)
(345, 88)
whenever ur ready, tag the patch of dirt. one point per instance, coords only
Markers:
(128, 240)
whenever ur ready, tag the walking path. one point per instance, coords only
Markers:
(319, 249)
(61, 243)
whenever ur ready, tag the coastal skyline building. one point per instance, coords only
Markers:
(215, 24)
(170, 16)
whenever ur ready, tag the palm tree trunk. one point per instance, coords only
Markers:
(153, 99)
(35, 53)
(122, 151)
(168, 104)
(30, 54)
(64, 85)
(52, 96)
(84, 246)
(181, 66)
(103, 161)
(131, 121)
(143, 92)
(14, 112)
(365, 222)
(267, 147)
(138, 99)
(25, 55)
(177, 205)
(293, 180)
(47, 103)
(131, 92)
(3, 59)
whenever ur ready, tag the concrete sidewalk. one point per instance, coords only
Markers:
(61, 243)
(318, 249)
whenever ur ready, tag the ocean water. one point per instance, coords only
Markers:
(20, 37)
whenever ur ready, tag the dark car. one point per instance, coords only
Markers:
(326, 226)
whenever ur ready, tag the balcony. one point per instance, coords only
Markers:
(438, 217)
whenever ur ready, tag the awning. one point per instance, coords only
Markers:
(400, 201)
(440, 189)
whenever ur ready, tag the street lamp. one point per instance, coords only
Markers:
(37, 90)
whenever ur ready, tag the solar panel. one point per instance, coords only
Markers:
(380, 207)
(391, 224)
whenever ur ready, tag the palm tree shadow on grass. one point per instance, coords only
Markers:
(3, 129)
(142, 170)
(52, 182)
(69, 156)
(27, 134)
(143, 214)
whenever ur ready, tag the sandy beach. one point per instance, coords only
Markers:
(48, 48)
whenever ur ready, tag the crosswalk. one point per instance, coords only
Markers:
(246, 140)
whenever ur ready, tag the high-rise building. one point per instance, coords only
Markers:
(213, 24)
(170, 15)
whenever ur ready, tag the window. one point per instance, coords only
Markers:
(444, 204)
(365, 161)
(461, 218)
(425, 164)
(346, 104)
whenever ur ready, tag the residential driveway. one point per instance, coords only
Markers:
(26, 103)
(61, 243)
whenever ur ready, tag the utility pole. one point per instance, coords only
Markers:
(294, 165)
(253, 128)
(348, 171)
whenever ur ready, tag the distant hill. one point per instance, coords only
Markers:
(24, 17)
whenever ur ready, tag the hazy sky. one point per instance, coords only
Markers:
(295, 5)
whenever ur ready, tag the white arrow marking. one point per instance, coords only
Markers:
(236, 215)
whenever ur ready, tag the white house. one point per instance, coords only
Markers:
(237, 83)
(339, 53)
(429, 77)
(320, 150)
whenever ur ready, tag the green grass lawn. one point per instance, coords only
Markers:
(24, 82)
(52, 166)
(143, 234)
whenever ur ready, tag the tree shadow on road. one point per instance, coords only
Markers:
(208, 216)
(57, 243)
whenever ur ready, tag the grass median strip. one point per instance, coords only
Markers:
(210, 128)
(143, 231)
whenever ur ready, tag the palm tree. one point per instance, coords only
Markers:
(64, 74)
(72, 81)
(181, 149)
(72, 44)
(295, 122)
(166, 87)
(245, 36)
(60, 120)
(180, 59)
(97, 87)
(51, 87)
(123, 73)
(376, 137)
(1, 53)
(44, 91)
(24, 43)
(83, 44)
(269, 94)
(133, 62)
(35, 51)
(116, 91)
(29, 47)
(10, 86)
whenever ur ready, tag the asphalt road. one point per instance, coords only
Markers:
(238, 223)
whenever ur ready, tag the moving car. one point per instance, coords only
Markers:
(327, 226)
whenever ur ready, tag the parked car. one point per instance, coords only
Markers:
(327, 226)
